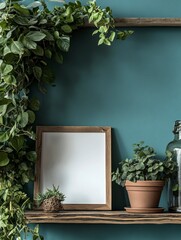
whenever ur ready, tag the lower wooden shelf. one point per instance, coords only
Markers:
(102, 217)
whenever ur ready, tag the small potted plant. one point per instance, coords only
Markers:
(51, 200)
(144, 177)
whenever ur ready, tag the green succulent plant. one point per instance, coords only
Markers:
(54, 192)
(144, 166)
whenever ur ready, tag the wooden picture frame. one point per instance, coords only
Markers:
(78, 160)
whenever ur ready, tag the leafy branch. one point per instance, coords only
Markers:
(31, 36)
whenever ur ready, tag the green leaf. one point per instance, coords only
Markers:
(112, 36)
(49, 36)
(91, 18)
(48, 53)
(38, 51)
(21, 9)
(58, 57)
(69, 19)
(34, 104)
(10, 79)
(123, 35)
(25, 178)
(56, 35)
(37, 71)
(31, 135)
(43, 21)
(103, 29)
(175, 188)
(3, 109)
(31, 156)
(5, 101)
(140, 166)
(21, 20)
(23, 119)
(68, 11)
(4, 160)
(28, 43)
(66, 28)
(63, 43)
(95, 32)
(7, 69)
(13, 129)
(169, 154)
(17, 47)
(4, 136)
(11, 57)
(1, 120)
(3, 106)
(10, 33)
(2, 5)
(107, 42)
(23, 166)
(31, 116)
(17, 142)
(35, 36)
(5, 194)
(47, 75)
(101, 41)
(99, 18)
(6, 50)
(161, 169)
(36, 229)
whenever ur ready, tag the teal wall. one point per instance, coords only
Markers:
(133, 86)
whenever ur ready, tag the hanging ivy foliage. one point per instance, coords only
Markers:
(29, 37)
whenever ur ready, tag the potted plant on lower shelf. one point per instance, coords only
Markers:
(144, 177)
(51, 200)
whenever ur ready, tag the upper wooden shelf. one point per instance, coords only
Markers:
(102, 217)
(145, 22)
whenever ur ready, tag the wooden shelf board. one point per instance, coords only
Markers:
(145, 22)
(102, 217)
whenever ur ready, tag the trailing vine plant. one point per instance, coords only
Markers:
(29, 37)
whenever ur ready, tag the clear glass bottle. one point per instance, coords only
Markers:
(174, 184)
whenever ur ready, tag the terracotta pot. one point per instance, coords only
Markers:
(144, 194)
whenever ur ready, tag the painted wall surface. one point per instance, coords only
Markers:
(134, 87)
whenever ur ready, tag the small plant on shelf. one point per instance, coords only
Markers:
(144, 166)
(51, 200)
(144, 174)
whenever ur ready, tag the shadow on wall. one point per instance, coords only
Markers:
(119, 195)
(77, 83)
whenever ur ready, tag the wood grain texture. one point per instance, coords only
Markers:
(103, 217)
(145, 22)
